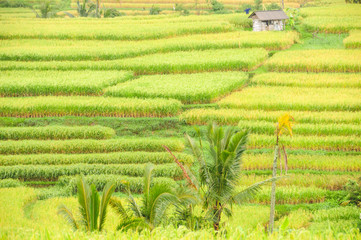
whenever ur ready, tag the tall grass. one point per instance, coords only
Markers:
(340, 10)
(333, 24)
(320, 60)
(53, 172)
(330, 182)
(305, 162)
(87, 106)
(188, 88)
(94, 158)
(304, 129)
(174, 62)
(317, 80)
(329, 143)
(36, 83)
(89, 145)
(354, 40)
(48, 50)
(233, 116)
(56, 132)
(107, 29)
(121, 182)
(292, 195)
(295, 99)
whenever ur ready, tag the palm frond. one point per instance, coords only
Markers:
(134, 206)
(117, 205)
(68, 216)
(147, 178)
(133, 223)
(84, 201)
(107, 193)
(160, 206)
(94, 208)
(250, 191)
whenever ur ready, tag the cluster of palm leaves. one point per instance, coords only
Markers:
(220, 161)
(213, 190)
(156, 200)
(93, 210)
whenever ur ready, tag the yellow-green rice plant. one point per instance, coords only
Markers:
(121, 182)
(12, 205)
(46, 50)
(336, 226)
(340, 219)
(305, 162)
(53, 172)
(182, 233)
(87, 106)
(354, 40)
(324, 181)
(319, 60)
(197, 61)
(332, 24)
(339, 129)
(202, 116)
(339, 10)
(329, 143)
(95, 158)
(294, 99)
(316, 80)
(292, 195)
(89, 145)
(10, 183)
(35, 83)
(299, 219)
(56, 132)
(106, 29)
(344, 213)
(174, 62)
(188, 88)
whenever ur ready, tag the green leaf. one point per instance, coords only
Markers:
(68, 216)
(107, 193)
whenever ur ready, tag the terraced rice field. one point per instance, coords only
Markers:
(102, 97)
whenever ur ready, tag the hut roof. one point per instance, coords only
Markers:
(269, 15)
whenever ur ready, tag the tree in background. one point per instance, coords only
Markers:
(46, 10)
(154, 10)
(284, 124)
(219, 162)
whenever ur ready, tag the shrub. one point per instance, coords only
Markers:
(154, 10)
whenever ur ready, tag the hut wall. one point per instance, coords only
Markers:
(257, 25)
(264, 26)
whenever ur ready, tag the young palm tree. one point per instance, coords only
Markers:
(220, 170)
(93, 210)
(284, 124)
(156, 200)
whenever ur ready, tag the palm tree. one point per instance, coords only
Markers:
(156, 200)
(220, 171)
(93, 210)
(284, 124)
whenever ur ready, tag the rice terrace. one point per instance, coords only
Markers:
(180, 119)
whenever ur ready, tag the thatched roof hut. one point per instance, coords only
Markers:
(268, 20)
